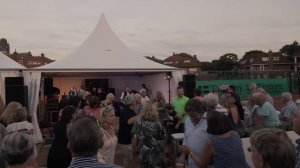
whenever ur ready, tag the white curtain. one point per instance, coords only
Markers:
(177, 75)
(3, 75)
(33, 81)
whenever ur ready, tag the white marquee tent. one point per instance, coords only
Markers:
(104, 55)
(7, 64)
(10, 68)
(103, 51)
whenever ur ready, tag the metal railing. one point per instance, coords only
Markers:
(242, 74)
(293, 78)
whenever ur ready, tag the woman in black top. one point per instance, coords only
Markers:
(126, 120)
(59, 155)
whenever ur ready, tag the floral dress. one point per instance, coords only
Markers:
(150, 135)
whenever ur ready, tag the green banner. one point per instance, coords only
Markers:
(273, 86)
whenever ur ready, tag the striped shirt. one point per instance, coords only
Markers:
(287, 110)
(228, 152)
(89, 162)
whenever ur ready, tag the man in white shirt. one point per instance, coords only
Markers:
(127, 91)
(144, 96)
(195, 131)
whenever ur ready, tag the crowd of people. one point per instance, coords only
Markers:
(90, 128)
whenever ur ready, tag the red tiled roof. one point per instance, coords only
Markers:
(179, 61)
(28, 59)
(257, 59)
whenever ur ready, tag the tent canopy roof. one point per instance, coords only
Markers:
(7, 63)
(104, 51)
(97, 74)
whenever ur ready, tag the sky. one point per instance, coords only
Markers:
(206, 28)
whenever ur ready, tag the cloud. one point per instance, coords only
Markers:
(208, 29)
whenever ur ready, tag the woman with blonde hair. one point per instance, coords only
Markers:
(108, 101)
(138, 106)
(227, 101)
(107, 122)
(161, 104)
(150, 133)
(9, 112)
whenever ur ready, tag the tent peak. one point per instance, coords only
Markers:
(103, 19)
(104, 50)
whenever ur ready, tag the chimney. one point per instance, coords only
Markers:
(270, 51)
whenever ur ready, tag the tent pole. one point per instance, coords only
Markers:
(169, 91)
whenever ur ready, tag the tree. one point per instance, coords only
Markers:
(252, 53)
(229, 57)
(289, 49)
(227, 62)
(209, 66)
